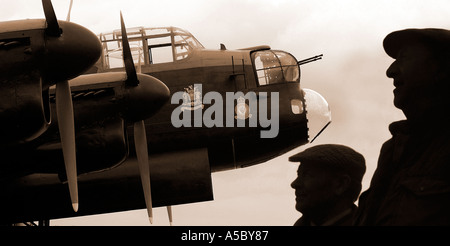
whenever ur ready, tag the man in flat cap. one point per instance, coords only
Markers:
(327, 185)
(411, 185)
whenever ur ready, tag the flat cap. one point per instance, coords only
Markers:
(334, 155)
(434, 37)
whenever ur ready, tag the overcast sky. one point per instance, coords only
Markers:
(351, 76)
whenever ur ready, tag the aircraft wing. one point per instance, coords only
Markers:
(177, 177)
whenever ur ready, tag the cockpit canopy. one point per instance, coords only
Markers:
(273, 67)
(148, 45)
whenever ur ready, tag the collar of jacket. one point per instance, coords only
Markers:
(428, 126)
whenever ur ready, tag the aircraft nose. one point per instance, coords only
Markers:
(318, 113)
(70, 54)
(145, 99)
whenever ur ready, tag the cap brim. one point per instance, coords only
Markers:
(295, 158)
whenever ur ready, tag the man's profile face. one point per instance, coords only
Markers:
(413, 72)
(314, 187)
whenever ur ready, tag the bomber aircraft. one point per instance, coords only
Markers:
(228, 109)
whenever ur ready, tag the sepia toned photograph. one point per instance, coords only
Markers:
(224, 113)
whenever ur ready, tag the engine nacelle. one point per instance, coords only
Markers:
(24, 109)
(102, 147)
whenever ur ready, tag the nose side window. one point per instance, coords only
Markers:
(268, 68)
(274, 67)
(291, 71)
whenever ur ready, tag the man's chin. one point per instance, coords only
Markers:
(300, 208)
(398, 103)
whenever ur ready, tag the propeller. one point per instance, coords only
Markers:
(50, 16)
(140, 138)
(140, 141)
(70, 10)
(132, 79)
(64, 110)
(169, 212)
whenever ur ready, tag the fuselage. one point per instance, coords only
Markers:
(257, 70)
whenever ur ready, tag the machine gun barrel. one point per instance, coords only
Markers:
(311, 59)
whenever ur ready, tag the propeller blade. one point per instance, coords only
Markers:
(50, 16)
(140, 140)
(64, 110)
(70, 10)
(128, 57)
(169, 212)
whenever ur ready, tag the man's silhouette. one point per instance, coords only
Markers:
(411, 185)
(327, 185)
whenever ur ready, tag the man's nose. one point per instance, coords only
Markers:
(295, 183)
(392, 70)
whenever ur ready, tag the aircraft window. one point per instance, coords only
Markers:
(291, 71)
(160, 50)
(297, 106)
(153, 45)
(268, 68)
(184, 44)
(182, 47)
(274, 67)
(160, 55)
(114, 58)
